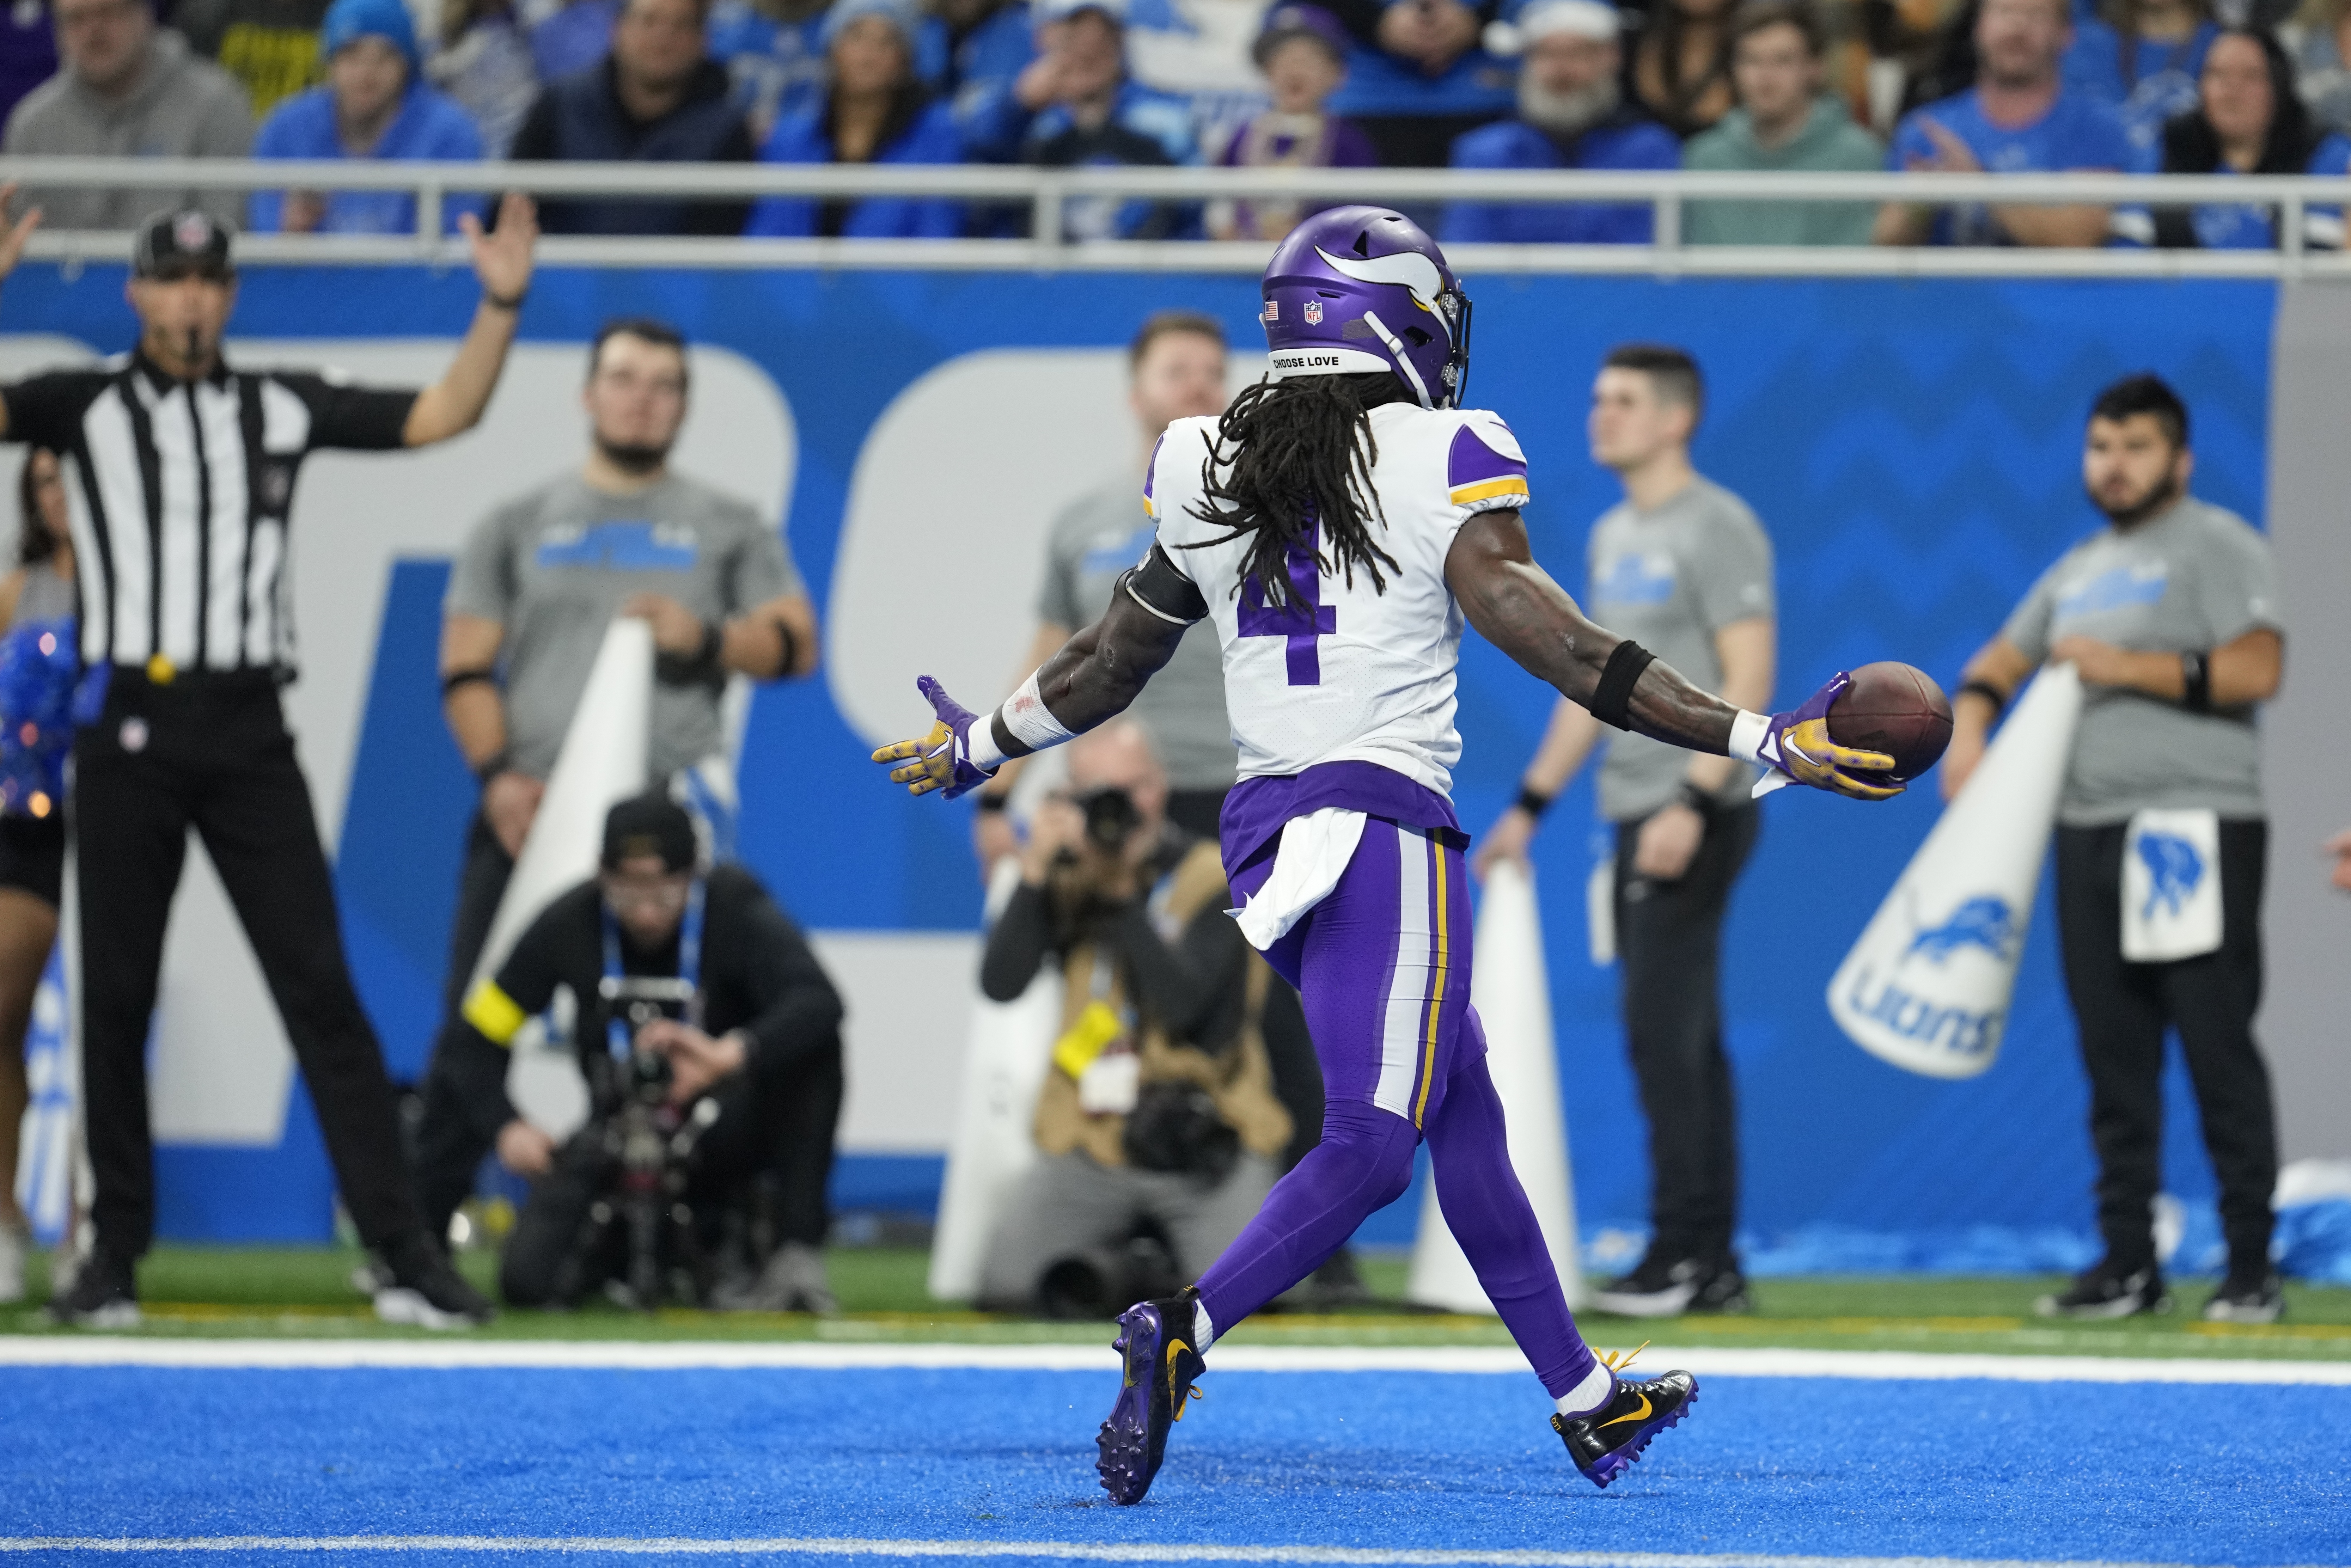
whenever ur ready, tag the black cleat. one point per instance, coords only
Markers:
(1605, 1443)
(1155, 1344)
(425, 1291)
(1662, 1286)
(1725, 1290)
(2106, 1291)
(2255, 1299)
(104, 1295)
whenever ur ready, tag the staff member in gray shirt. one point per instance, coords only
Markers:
(1176, 369)
(1683, 566)
(537, 584)
(2170, 615)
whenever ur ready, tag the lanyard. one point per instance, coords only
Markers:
(617, 1037)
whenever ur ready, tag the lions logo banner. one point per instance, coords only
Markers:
(1927, 985)
(2171, 885)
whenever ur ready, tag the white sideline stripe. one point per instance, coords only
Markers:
(1719, 1361)
(1066, 1551)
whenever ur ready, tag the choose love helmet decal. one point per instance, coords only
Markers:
(1365, 289)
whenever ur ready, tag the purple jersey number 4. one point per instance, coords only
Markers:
(1304, 621)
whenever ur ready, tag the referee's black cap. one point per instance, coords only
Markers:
(185, 242)
(649, 824)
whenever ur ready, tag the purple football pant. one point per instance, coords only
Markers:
(1383, 967)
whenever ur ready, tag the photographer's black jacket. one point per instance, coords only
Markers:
(758, 976)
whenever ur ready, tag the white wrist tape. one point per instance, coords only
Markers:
(980, 744)
(1030, 721)
(1747, 733)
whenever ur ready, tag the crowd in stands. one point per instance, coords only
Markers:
(2210, 87)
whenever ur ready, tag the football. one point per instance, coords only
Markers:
(1896, 709)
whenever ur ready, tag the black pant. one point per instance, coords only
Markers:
(1670, 944)
(453, 1135)
(2122, 1009)
(777, 1121)
(211, 752)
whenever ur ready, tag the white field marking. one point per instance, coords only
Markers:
(618, 1355)
(1064, 1551)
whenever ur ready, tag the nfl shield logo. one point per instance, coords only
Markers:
(1314, 313)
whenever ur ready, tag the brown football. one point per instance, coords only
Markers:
(1895, 709)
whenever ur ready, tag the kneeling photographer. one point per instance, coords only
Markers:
(1158, 1121)
(711, 1043)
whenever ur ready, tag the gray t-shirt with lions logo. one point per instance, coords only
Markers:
(2189, 579)
(1094, 541)
(554, 566)
(1670, 579)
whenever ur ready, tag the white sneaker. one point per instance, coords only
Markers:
(15, 1244)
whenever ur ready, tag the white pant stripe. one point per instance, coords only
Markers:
(1408, 1010)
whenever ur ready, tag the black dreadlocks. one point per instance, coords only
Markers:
(1301, 453)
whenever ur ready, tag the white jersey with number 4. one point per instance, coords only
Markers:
(1346, 672)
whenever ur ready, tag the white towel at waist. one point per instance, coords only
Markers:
(1313, 854)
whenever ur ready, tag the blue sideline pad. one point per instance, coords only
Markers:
(2232, 1474)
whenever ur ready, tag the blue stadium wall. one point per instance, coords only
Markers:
(1912, 446)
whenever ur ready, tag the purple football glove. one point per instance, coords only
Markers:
(940, 761)
(1797, 748)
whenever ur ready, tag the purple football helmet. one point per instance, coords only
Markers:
(1363, 289)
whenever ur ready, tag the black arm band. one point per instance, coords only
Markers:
(507, 301)
(495, 763)
(2196, 668)
(1703, 803)
(993, 804)
(1989, 693)
(1159, 586)
(701, 667)
(791, 639)
(455, 678)
(1534, 803)
(1612, 699)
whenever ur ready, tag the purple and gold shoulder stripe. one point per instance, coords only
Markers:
(1151, 477)
(1485, 467)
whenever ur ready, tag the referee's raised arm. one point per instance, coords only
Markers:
(502, 261)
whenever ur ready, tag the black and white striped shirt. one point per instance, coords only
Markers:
(180, 492)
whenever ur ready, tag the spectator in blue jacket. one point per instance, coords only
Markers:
(657, 98)
(1572, 115)
(989, 42)
(1075, 106)
(2019, 119)
(2146, 68)
(1420, 77)
(874, 110)
(373, 106)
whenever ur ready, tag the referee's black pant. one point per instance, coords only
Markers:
(1669, 945)
(211, 752)
(454, 1133)
(2121, 1010)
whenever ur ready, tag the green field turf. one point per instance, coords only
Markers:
(306, 1291)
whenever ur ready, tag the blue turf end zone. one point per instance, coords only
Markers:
(2253, 1475)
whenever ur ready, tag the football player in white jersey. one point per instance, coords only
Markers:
(1340, 523)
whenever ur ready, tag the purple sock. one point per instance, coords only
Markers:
(1364, 1163)
(1487, 1212)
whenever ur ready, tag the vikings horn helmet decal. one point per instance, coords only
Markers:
(1359, 289)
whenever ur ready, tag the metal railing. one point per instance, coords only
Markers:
(1048, 194)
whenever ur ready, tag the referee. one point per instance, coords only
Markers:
(181, 476)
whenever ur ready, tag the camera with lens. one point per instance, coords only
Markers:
(1111, 816)
(641, 1236)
